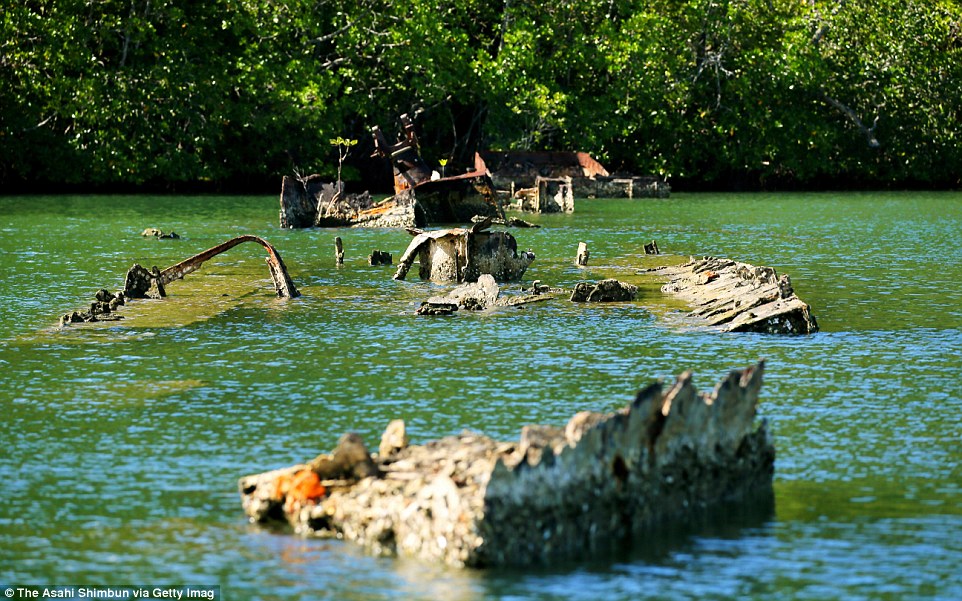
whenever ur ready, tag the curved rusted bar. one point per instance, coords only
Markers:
(282, 281)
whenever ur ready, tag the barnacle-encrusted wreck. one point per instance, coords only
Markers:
(557, 492)
(463, 254)
(738, 297)
(482, 295)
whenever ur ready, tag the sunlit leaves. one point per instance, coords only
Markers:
(757, 91)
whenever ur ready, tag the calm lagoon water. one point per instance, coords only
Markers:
(122, 443)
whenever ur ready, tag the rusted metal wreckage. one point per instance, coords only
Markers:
(549, 182)
(143, 283)
(464, 254)
(557, 492)
(421, 196)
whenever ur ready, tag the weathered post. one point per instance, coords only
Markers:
(652, 249)
(338, 251)
(582, 258)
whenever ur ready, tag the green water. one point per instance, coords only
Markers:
(122, 442)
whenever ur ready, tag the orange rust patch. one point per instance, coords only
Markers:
(303, 488)
(281, 486)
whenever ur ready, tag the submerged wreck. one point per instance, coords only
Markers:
(464, 254)
(421, 196)
(548, 182)
(143, 283)
(313, 202)
(557, 492)
(738, 297)
(482, 295)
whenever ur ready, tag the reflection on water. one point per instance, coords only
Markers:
(123, 442)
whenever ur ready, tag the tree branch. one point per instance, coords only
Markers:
(330, 36)
(334, 62)
(868, 132)
(39, 125)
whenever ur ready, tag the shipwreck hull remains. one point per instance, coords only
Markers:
(549, 195)
(456, 199)
(738, 297)
(627, 186)
(482, 295)
(421, 196)
(516, 171)
(463, 255)
(558, 492)
(313, 202)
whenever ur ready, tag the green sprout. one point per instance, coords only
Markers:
(343, 149)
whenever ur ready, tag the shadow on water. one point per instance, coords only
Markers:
(344, 570)
(656, 548)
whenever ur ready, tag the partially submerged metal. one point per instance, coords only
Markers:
(153, 232)
(605, 291)
(421, 196)
(558, 492)
(314, 202)
(103, 308)
(141, 283)
(433, 198)
(481, 295)
(545, 182)
(463, 254)
(522, 168)
(738, 297)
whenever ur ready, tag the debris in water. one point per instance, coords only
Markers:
(462, 255)
(557, 492)
(738, 297)
(143, 283)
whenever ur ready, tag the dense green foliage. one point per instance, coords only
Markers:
(725, 93)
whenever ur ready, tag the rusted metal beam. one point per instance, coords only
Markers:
(405, 155)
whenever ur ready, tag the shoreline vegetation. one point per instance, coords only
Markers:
(709, 95)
